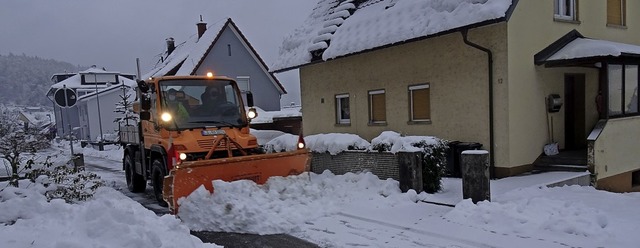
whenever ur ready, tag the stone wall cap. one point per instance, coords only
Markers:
(475, 152)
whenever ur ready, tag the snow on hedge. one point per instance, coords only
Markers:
(332, 143)
(335, 143)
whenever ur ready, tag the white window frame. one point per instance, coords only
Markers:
(559, 10)
(371, 93)
(240, 79)
(411, 89)
(339, 118)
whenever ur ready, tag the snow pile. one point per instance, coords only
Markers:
(282, 205)
(265, 136)
(109, 220)
(111, 152)
(570, 211)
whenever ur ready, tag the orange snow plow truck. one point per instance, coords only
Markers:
(192, 130)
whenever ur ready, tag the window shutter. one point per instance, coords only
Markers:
(421, 101)
(378, 108)
(614, 12)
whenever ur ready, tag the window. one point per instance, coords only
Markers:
(565, 9)
(419, 101)
(377, 107)
(244, 83)
(623, 90)
(343, 112)
(616, 10)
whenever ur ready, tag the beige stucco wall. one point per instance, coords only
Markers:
(457, 75)
(611, 149)
(531, 29)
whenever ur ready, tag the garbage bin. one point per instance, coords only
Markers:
(453, 157)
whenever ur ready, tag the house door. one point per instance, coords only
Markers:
(574, 111)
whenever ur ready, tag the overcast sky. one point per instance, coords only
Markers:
(113, 33)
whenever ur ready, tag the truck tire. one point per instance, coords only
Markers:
(135, 182)
(157, 177)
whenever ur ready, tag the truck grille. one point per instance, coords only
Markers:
(208, 143)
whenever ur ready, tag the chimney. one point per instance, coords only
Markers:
(202, 27)
(170, 45)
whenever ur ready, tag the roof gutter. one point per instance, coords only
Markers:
(490, 71)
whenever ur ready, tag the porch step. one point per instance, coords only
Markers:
(575, 160)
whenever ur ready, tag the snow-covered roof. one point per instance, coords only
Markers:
(573, 49)
(191, 51)
(188, 55)
(585, 47)
(38, 118)
(268, 116)
(347, 27)
(75, 82)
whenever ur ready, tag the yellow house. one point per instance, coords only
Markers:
(512, 75)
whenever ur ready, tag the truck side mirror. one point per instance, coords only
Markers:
(145, 103)
(143, 86)
(249, 99)
(145, 116)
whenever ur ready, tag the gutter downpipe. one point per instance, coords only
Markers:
(490, 70)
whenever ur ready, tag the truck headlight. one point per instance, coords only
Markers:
(166, 117)
(183, 156)
(252, 113)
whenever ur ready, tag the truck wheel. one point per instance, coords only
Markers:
(157, 176)
(135, 182)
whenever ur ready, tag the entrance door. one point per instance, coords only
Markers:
(574, 112)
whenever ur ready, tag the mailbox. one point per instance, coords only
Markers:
(554, 103)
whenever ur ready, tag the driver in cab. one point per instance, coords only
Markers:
(175, 106)
(212, 98)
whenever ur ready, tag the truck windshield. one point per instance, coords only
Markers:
(195, 103)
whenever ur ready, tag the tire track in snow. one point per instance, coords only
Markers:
(466, 243)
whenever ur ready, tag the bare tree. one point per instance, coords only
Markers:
(16, 140)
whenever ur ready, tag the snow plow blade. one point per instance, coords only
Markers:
(188, 176)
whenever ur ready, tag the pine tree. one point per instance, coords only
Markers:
(125, 107)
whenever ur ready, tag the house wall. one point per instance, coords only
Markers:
(532, 28)
(108, 101)
(240, 63)
(457, 75)
(64, 118)
(615, 164)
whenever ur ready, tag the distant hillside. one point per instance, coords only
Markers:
(24, 80)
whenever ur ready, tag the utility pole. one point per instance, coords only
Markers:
(95, 78)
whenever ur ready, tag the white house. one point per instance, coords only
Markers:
(93, 87)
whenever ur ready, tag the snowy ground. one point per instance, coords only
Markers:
(332, 211)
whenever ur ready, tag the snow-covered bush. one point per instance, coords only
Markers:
(66, 182)
(434, 150)
(16, 140)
